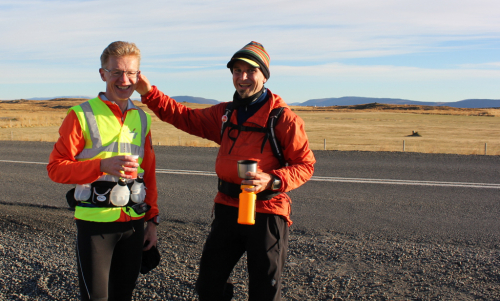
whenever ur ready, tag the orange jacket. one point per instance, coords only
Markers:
(64, 168)
(206, 123)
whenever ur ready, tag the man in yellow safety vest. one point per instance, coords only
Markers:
(105, 149)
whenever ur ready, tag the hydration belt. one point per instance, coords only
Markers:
(234, 190)
(101, 193)
(100, 197)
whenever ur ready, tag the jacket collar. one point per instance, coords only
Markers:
(260, 117)
(130, 103)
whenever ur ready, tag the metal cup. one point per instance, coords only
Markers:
(244, 166)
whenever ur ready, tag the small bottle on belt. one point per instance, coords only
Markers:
(120, 194)
(138, 191)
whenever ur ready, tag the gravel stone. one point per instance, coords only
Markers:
(37, 262)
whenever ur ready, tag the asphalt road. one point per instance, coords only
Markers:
(421, 197)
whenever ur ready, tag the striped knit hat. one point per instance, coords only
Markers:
(254, 54)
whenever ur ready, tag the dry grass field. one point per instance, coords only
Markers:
(370, 127)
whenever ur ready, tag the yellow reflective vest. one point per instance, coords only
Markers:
(105, 137)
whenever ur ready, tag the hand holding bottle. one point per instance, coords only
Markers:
(117, 165)
(257, 181)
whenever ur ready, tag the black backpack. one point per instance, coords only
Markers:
(268, 130)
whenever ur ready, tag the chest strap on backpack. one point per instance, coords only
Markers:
(269, 133)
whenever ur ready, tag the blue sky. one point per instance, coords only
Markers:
(426, 50)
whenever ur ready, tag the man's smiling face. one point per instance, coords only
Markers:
(247, 80)
(120, 88)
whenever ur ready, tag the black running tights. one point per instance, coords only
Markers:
(109, 259)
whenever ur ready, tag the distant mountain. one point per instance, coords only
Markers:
(49, 98)
(475, 103)
(192, 99)
(352, 100)
(340, 101)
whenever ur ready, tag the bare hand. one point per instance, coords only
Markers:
(115, 165)
(150, 234)
(261, 181)
(143, 86)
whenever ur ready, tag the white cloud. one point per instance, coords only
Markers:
(50, 41)
(490, 65)
(49, 29)
(386, 73)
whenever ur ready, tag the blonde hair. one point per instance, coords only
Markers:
(118, 49)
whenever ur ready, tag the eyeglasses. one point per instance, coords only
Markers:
(119, 73)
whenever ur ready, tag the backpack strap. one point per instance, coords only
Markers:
(271, 135)
(241, 128)
(226, 118)
(269, 130)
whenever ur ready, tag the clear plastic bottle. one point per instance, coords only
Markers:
(120, 195)
(82, 192)
(246, 209)
(138, 191)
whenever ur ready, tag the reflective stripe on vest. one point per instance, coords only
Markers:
(95, 136)
(105, 137)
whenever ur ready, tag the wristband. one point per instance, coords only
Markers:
(155, 220)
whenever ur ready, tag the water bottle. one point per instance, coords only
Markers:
(138, 191)
(246, 207)
(82, 192)
(120, 194)
(246, 211)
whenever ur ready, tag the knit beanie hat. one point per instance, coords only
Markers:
(254, 54)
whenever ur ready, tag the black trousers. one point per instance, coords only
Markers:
(109, 259)
(266, 245)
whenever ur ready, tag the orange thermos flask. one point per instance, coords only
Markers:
(246, 212)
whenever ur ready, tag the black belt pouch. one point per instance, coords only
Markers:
(101, 193)
(70, 198)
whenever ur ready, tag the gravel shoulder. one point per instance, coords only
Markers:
(37, 262)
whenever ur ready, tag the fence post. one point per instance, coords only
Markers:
(403, 145)
(485, 148)
(11, 136)
(324, 144)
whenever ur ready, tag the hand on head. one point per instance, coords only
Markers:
(143, 86)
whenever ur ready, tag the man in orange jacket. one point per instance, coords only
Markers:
(94, 150)
(266, 241)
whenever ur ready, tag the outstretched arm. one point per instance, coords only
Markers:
(204, 123)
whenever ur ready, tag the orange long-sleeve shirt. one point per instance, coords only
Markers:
(64, 168)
